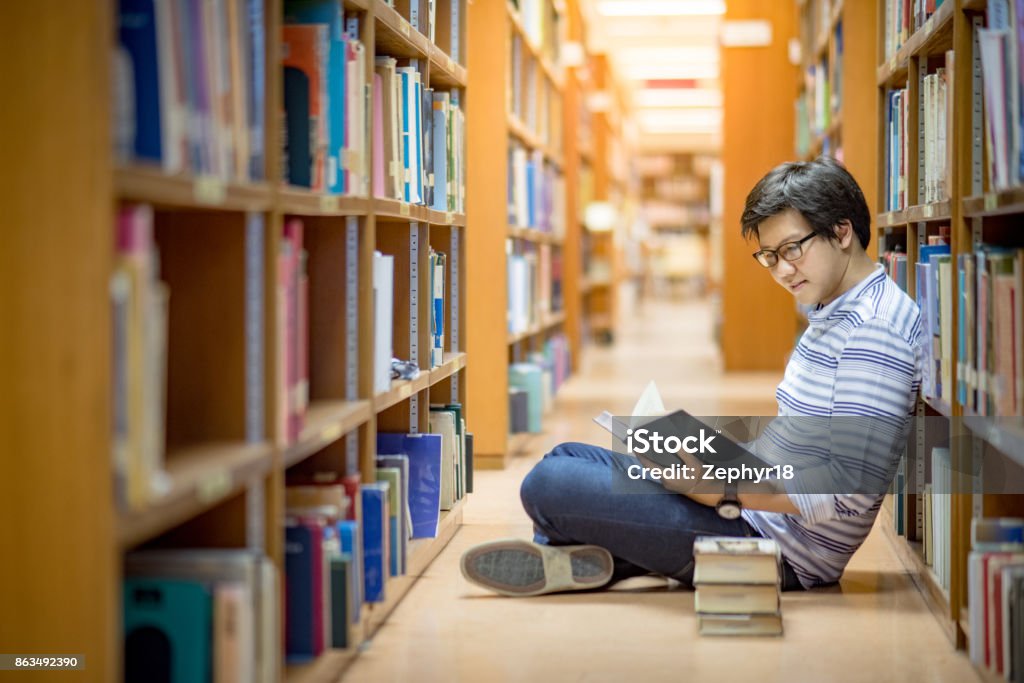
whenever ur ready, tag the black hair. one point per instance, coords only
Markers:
(822, 191)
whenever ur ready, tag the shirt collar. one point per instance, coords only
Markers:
(821, 314)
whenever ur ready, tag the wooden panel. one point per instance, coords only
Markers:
(486, 187)
(860, 101)
(753, 305)
(325, 244)
(55, 264)
(202, 260)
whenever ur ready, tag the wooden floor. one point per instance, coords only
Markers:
(873, 627)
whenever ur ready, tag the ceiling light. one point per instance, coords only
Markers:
(652, 71)
(690, 97)
(661, 8)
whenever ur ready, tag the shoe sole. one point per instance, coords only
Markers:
(519, 568)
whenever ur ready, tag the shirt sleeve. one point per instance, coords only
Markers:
(877, 375)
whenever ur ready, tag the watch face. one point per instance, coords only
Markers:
(729, 510)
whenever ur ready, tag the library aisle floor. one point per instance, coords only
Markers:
(873, 627)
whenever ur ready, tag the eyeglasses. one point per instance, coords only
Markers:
(790, 251)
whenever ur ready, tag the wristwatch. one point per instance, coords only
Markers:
(729, 506)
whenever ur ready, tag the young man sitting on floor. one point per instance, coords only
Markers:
(860, 356)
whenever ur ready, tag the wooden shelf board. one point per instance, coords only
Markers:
(357, 5)
(302, 202)
(938, 405)
(974, 5)
(519, 130)
(444, 217)
(534, 235)
(453, 362)
(398, 211)
(395, 36)
(200, 476)
(1000, 203)
(421, 553)
(152, 185)
(400, 390)
(444, 72)
(891, 219)
(999, 433)
(937, 211)
(551, 321)
(326, 422)
(934, 37)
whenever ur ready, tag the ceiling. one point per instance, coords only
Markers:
(665, 52)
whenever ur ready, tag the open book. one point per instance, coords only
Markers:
(648, 406)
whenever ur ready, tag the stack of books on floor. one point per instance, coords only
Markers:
(738, 585)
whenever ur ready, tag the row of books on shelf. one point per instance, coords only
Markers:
(139, 317)
(903, 18)
(936, 134)
(819, 101)
(534, 287)
(189, 86)
(418, 139)
(383, 313)
(738, 586)
(434, 19)
(140, 331)
(936, 501)
(325, 108)
(995, 596)
(542, 25)
(212, 614)
(989, 284)
(532, 384)
(536, 192)
(1000, 44)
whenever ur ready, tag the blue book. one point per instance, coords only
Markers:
(180, 612)
(299, 608)
(329, 12)
(406, 134)
(375, 531)
(531, 199)
(417, 127)
(257, 95)
(352, 545)
(440, 151)
(137, 33)
(424, 453)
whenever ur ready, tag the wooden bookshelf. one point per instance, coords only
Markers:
(750, 300)
(517, 105)
(974, 211)
(216, 487)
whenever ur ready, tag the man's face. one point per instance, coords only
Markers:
(814, 277)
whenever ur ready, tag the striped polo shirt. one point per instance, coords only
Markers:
(856, 370)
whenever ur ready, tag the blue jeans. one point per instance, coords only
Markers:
(570, 497)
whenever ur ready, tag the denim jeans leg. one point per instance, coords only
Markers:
(572, 497)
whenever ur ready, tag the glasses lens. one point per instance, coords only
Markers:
(791, 252)
(766, 258)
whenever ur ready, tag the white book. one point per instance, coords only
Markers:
(233, 634)
(383, 302)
